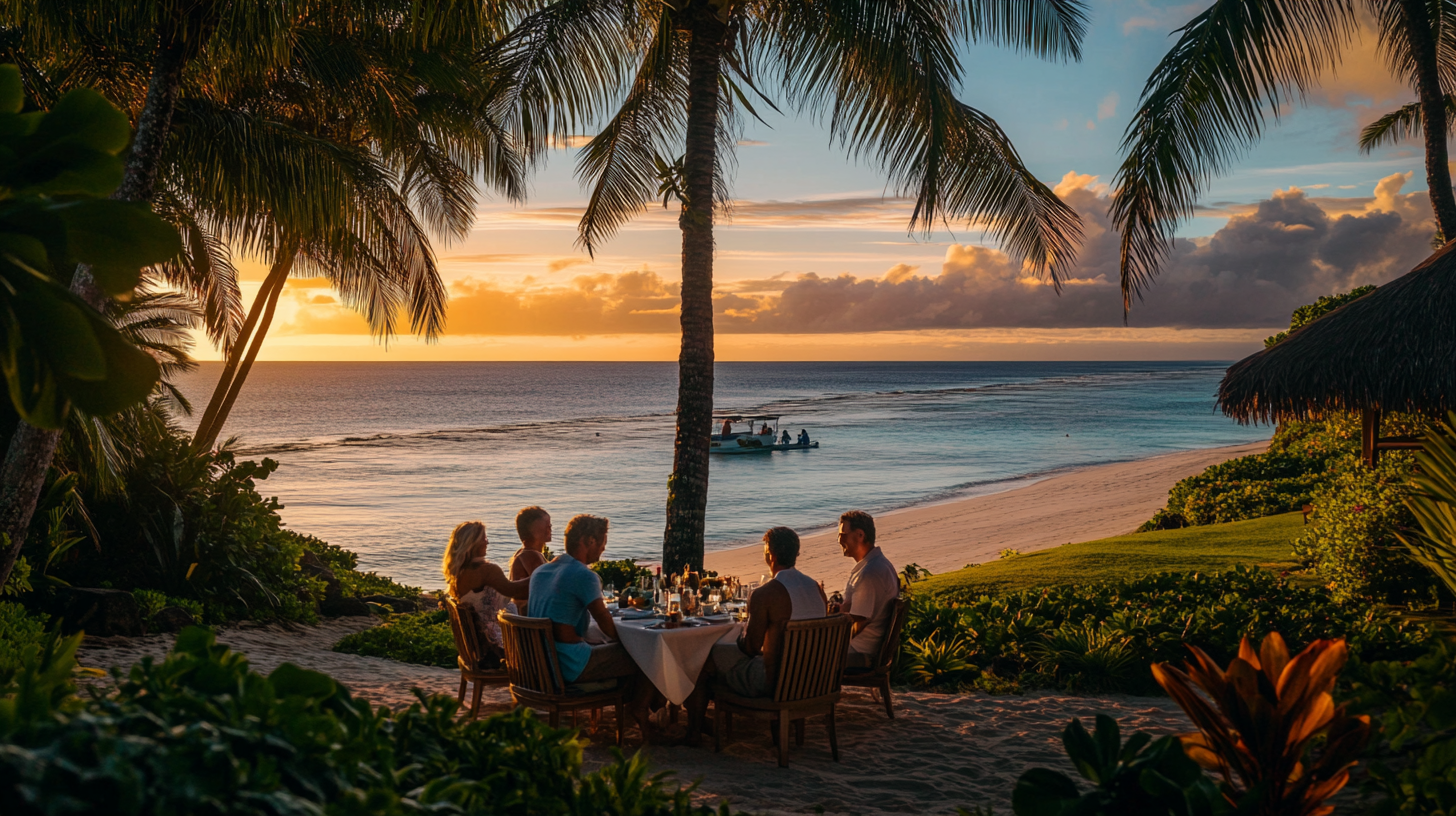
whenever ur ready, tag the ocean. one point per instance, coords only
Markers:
(386, 458)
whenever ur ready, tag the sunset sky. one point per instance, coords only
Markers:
(816, 263)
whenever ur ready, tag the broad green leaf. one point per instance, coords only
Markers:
(290, 680)
(25, 250)
(12, 90)
(1042, 792)
(117, 239)
(84, 117)
(59, 329)
(130, 374)
(34, 393)
(66, 169)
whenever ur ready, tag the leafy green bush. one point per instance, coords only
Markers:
(151, 601)
(345, 566)
(200, 733)
(422, 637)
(1105, 637)
(620, 574)
(1414, 762)
(1351, 542)
(21, 633)
(1308, 313)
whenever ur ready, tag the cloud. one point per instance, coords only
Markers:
(1107, 108)
(1270, 257)
(858, 212)
(751, 143)
(1091, 125)
(483, 259)
(566, 263)
(1061, 124)
(573, 140)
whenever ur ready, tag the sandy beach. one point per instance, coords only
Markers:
(941, 752)
(1067, 508)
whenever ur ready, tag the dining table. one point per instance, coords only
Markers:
(672, 658)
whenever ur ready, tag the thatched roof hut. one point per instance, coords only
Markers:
(1392, 350)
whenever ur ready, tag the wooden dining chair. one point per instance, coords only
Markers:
(476, 664)
(535, 674)
(810, 665)
(877, 676)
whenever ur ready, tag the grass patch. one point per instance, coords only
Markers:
(1265, 542)
(421, 637)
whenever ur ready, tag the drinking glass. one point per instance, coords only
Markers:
(714, 598)
(674, 603)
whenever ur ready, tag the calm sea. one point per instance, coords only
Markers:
(386, 458)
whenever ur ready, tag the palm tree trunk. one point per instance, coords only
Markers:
(687, 497)
(31, 449)
(1433, 115)
(245, 346)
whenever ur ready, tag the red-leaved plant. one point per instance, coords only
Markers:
(1259, 718)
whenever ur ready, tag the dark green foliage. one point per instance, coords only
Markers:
(1263, 484)
(199, 733)
(422, 637)
(56, 170)
(151, 601)
(1414, 762)
(1142, 777)
(344, 565)
(1105, 637)
(1310, 312)
(1351, 543)
(620, 574)
(21, 633)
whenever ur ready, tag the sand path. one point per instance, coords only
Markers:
(1083, 505)
(939, 753)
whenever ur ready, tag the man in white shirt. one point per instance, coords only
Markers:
(873, 584)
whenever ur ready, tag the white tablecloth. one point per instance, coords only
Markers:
(672, 658)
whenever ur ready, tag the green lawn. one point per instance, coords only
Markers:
(1264, 542)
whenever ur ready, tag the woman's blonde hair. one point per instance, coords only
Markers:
(457, 552)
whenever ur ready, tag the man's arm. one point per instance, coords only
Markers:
(759, 619)
(599, 613)
(862, 597)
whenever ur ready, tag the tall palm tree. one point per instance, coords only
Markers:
(1232, 69)
(884, 75)
(388, 138)
(230, 41)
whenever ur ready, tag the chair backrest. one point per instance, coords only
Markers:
(812, 658)
(531, 661)
(466, 631)
(890, 646)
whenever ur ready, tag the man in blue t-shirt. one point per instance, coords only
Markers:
(568, 592)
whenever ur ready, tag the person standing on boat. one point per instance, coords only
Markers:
(727, 428)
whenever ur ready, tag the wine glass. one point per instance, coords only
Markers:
(674, 603)
(714, 598)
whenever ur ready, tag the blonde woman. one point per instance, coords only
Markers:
(472, 580)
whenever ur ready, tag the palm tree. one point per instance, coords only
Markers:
(230, 43)
(884, 75)
(389, 140)
(1232, 69)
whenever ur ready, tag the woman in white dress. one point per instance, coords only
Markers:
(474, 581)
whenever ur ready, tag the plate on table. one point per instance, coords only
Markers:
(638, 614)
(710, 619)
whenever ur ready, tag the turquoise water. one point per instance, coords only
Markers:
(386, 458)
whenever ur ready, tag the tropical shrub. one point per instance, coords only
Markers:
(151, 601)
(421, 637)
(620, 574)
(1310, 312)
(1106, 636)
(1351, 543)
(1414, 761)
(21, 634)
(1143, 776)
(201, 733)
(345, 566)
(1433, 504)
(1268, 725)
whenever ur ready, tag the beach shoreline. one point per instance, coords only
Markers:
(1063, 508)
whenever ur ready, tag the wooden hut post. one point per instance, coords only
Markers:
(1370, 436)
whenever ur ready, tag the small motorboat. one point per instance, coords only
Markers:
(765, 439)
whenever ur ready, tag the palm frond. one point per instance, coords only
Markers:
(1232, 68)
(204, 270)
(618, 162)
(886, 76)
(1401, 124)
(1052, 29)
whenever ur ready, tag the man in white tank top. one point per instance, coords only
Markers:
(748, 666)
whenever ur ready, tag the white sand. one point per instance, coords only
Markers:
(941, 752)
(1083, 505)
